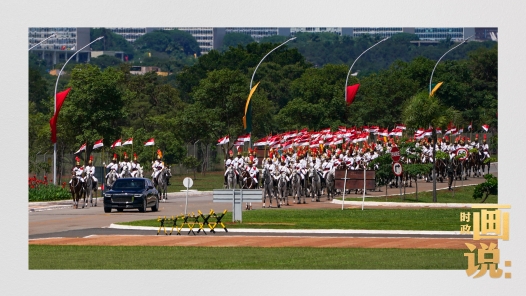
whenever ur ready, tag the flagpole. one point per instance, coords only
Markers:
(347, 80)
(55, 109)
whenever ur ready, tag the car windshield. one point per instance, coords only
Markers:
(128, 184)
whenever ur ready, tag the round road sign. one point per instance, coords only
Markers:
(397, 168)
(462, 152)
(188, 182)
(395, 154)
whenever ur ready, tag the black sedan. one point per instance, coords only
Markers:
(131, 193)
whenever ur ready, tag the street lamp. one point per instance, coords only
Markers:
(434, 134)
(253, 74)
(347, 80)
(52, 35)
(55, 108)
(264, 58)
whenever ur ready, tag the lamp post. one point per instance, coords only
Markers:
(347, 79)
(55, 107)
(52, 35)
(253, 74)
(434, 133)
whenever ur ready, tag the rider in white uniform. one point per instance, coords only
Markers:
(112, 166)
(78, 170)
(228, 163)
(135, 166)
(90, 171)
(125, 164)
(157, 166)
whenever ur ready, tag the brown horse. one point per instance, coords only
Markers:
(77, 191)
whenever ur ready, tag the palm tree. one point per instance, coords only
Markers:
(422, 110)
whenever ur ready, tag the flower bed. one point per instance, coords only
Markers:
(42, 190)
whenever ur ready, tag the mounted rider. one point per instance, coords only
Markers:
(229, 163)
(125, 165)
(77, 171)
(485, 148)
(253, 170)
(238, 161)
(90, 171)
(157, 166)
(135, 166)
(112, 166)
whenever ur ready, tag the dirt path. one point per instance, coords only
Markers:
(260, 241)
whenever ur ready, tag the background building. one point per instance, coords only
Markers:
(60, 48)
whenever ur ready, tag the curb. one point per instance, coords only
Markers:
(307, 231)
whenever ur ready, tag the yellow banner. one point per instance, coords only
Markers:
(248, 103)
(436, 88)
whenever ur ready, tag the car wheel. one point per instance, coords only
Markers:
(107, 210)
(155, 208)
(143, 208)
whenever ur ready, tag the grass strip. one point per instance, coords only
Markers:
(369, 219)
(215, 258)
(459, 195)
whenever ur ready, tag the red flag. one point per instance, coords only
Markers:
(61, 96)
(485, 127)
(351, 93)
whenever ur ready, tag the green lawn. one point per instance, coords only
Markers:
(459, 195)
(370, 219)
(209, 182)
(126, 257)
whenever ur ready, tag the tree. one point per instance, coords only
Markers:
(172, 42)
(93, 108)
(190, 162)
(236, 39)
(490, 187)
(422, 110)
(111, 42)
(105, 61)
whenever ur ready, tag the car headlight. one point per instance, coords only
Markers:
(137, 195)
(107, 195)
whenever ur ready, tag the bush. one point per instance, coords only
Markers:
(40, 190)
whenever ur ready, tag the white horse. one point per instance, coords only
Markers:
(110, 180)
(329, 181)
(267, 188)
(162, 184)
(315, 184)
(231, 178)
(296, 187)
(90, 187)
(282, 189)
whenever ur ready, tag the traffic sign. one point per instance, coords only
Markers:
(188, 182)
(397, 168)
(462, 152)
(395, 154)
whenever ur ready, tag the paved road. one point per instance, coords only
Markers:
(58, 219)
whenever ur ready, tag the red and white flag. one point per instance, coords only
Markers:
(116, 143)
(428, 132)
(400, 126)
(383, 132)
(150, 142)
(98, 144)
(396, 132)
(223, 140)
(244, 138)
(128, 142)
(239, 143)
(485, 127)
(82, 148)
(439, 130)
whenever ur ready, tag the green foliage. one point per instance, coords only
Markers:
(110, 42)
(172, 42)
(235, 39)
(48, 192)
(385, 170)
(191, 163)
(490, 187)
(105, 61)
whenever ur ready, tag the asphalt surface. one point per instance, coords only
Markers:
(59, 219)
